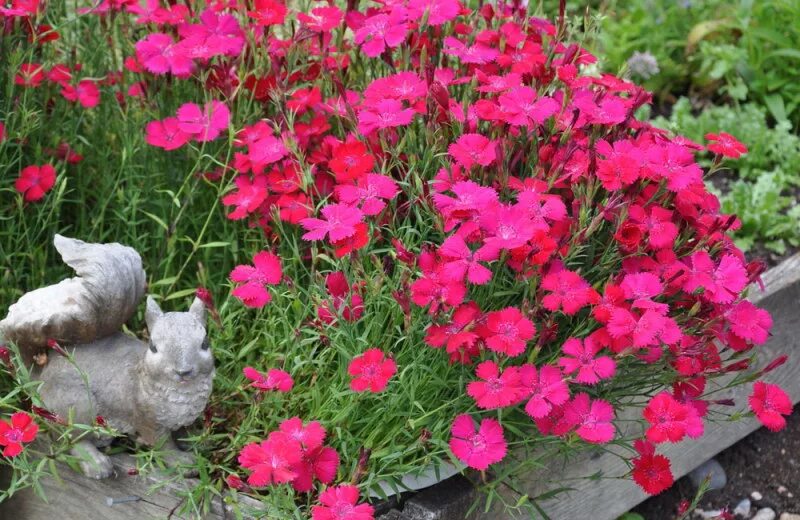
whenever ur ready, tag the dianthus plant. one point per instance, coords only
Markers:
(464, 249)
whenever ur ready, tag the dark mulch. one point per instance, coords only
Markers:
(763, 462)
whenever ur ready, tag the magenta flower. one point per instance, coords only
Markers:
(749, 322)
(345, 300)
(386, 113)
(477, 449)
(322, 19)
(340, 222)
(460, 262)
(496, 390)
(35, 181)
(370, 192)
(438, 12)
(591, 417)
(568, 292)
(272, 461)
(217, 34)
(248, 197)
(204, 124)
(477, 54)
(86, 93)
(252, 280)
(274, 379)
(166, 134)
(507, 331)
(520, 107)
(581, 357)
(770, 403)
(472, 149)
(341, 503)
(382, 31)
(546, 387)
(371, 371)
(159, 54)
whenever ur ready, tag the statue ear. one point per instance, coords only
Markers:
(198, 310)
(152, 312)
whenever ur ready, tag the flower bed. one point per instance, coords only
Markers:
(445, 242)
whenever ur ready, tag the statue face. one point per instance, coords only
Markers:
(179, 350)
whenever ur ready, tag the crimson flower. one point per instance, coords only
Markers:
(671, 420)
(271, 461)
(581, 357)
(21, 428)
(652, 472)
(341, 503)
(268, 12)
(345, 300)
(266, 270)
(371, 371)
(350, 160)
(86, 93)
(322, 19)
(248, 197)
(274, 379)
(770, 403)
(507, 331)
(386, 113)
(477, 449)
(726, 145)
(35, 181)
(30, 75)
(317, 461)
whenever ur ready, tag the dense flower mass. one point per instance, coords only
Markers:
(439, 202)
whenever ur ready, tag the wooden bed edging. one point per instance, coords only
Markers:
(608, 498)
(133, 497)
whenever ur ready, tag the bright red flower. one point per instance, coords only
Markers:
(371, 371)
(248, 198)
(546, 387)
(770, 403)
(252, 280)
(472, 149)
(496, 390)
(340, 222)
(507, 331)
(671, 420)
(20, 429)
(726, 145)
(568, 292)
(435, 288)
(345, 300)
(271, 461)
(166, 134)
(274, 379)
(86, 93)
(477, 449)
(652, 472)
(30, 75)
(457, 334)
(350, 160)
(268, 12)
(35, 181)
(621, 166)
(341, 503)
(582, 357)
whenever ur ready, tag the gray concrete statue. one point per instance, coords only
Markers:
(146, 390)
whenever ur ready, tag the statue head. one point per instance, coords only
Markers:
(179, 350)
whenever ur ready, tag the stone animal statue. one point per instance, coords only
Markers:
(145, 390)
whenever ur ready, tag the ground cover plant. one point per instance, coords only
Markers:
(427, 235)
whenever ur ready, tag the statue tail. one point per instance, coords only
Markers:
(109, 284)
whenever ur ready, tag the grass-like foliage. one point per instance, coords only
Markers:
(427, 231)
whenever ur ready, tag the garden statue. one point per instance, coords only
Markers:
(146, 390)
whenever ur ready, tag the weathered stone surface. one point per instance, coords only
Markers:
(711, 470)
(449, 499)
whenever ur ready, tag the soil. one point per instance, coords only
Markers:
(764, 462)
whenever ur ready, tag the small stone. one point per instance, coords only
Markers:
(765, 514)
(789, 516)
(708, 515)
(742, 508)
(712, 470)
(755, 495)
(782, 490)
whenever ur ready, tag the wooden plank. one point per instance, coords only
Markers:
(610, 497)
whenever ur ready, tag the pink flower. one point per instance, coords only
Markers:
(671, 420)
(581, 357)
(642, 330)
(371, 370)
(479, 449)
(507, 331)
(726, 145)
(265, 151)
(271, 461)
(340, 222)
(204, 124)
(166, 134)
(460, 261)
(546, 387)
(370, 191)
(507, 227)
(386, 113)
(250, 195)
(472, 149)
(217, 34)
(382, 31)
(471, 200)
(35, 181)
(770, 403)
(341, 503)
(520, 107)
(322, 19)
(568, 291)
(344, 300)
(86, 93)
(478, 54)
(310, 436)
(21, 428)
(749, 322)
(274, 379)
(591, 417)
(266, 270)
(268, 12)
(496, 390)
(160, 54)
(438, 12)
